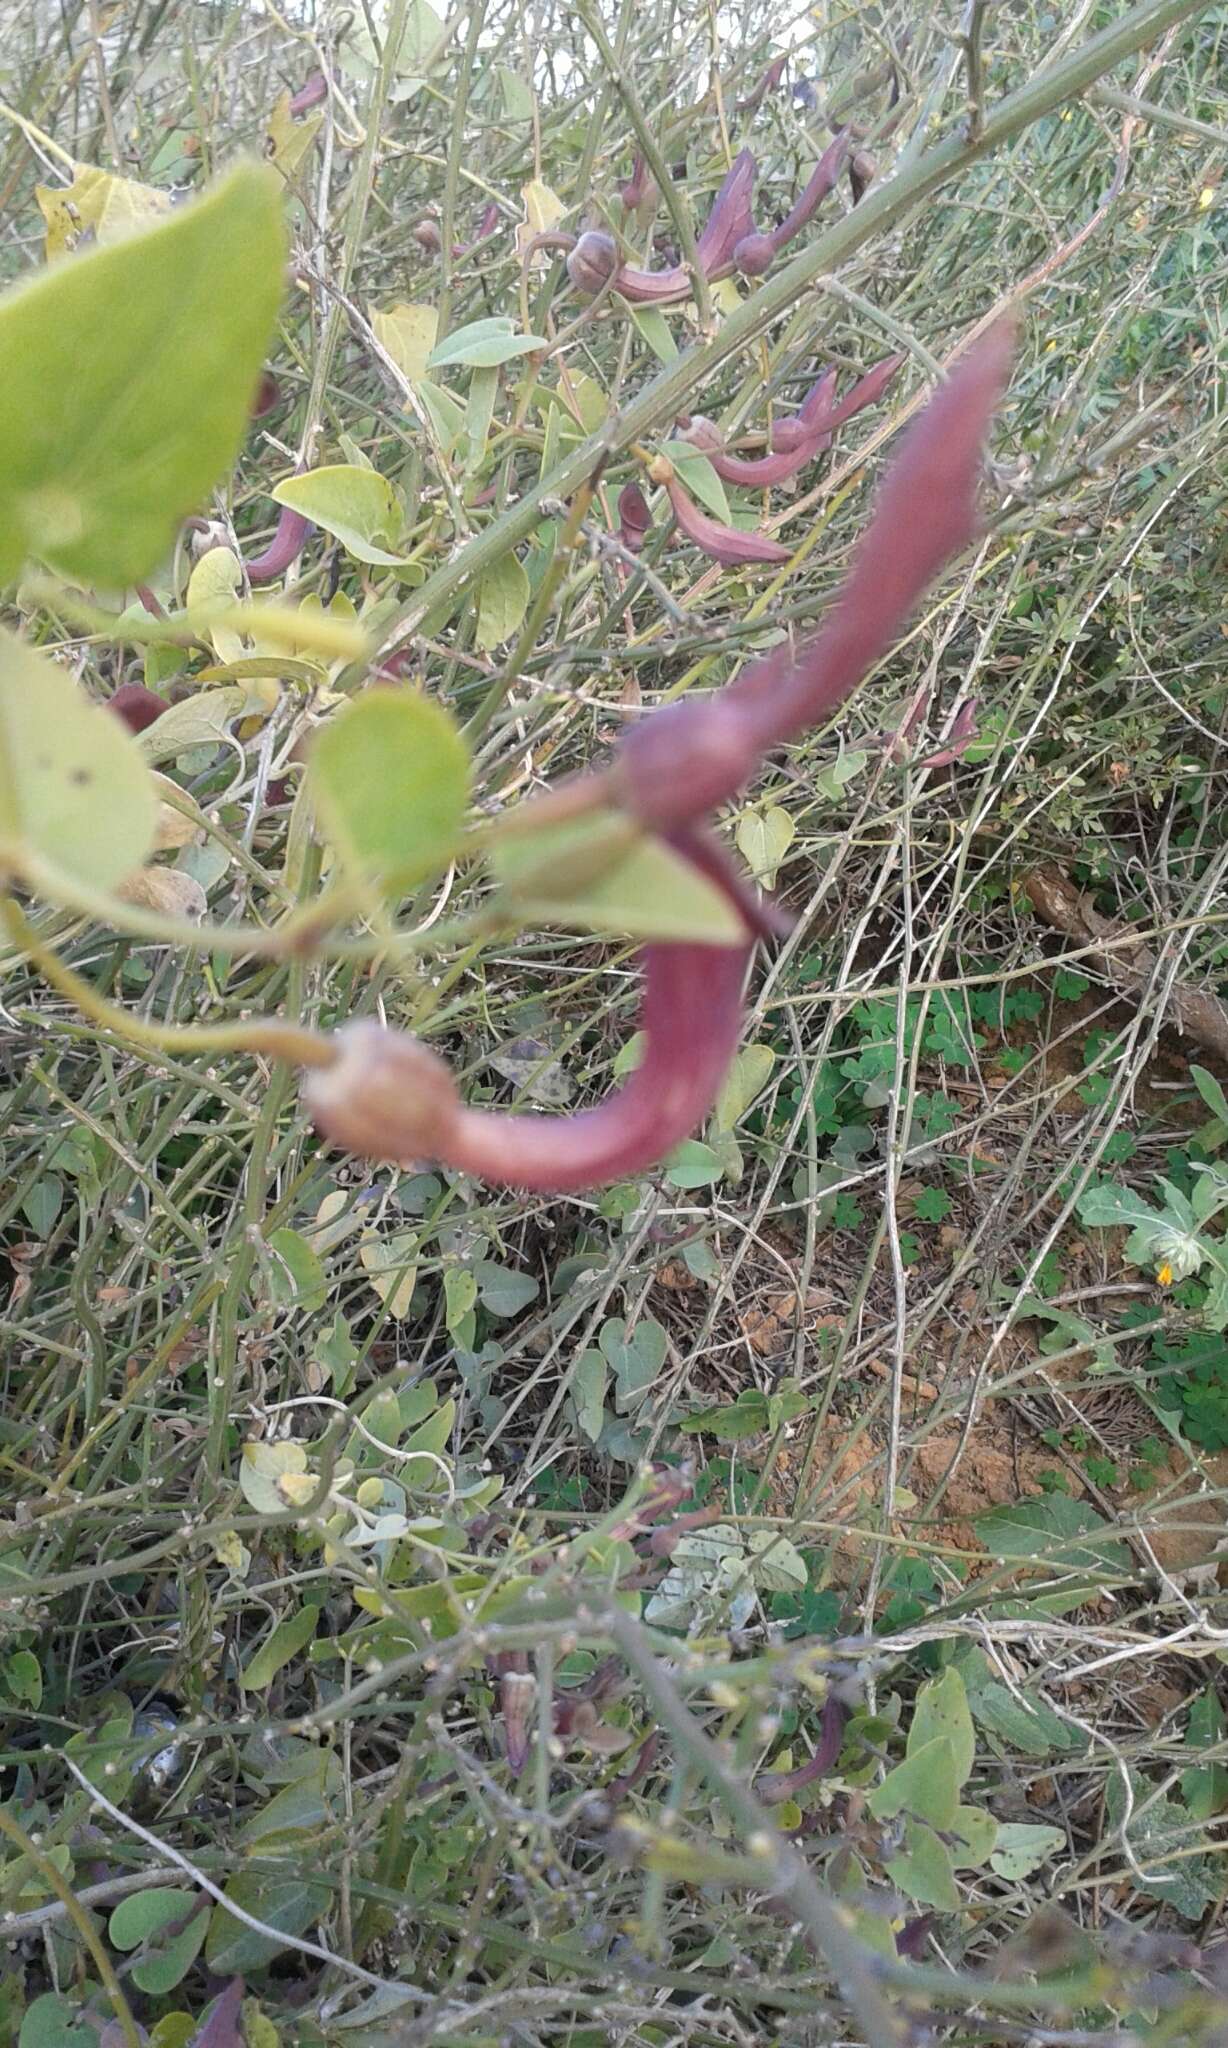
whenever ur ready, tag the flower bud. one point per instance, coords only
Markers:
(385, 1095)
(593, 261)
(428, 237)
(634, 518)
(704, 434)
(754, 255)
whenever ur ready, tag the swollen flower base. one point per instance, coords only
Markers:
(389, 1098)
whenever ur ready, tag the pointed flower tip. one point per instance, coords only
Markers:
(728, 545)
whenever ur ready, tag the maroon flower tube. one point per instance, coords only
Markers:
(728, 545)
(290, 537)
(688, 758)
(137, 706)
(390, 1098)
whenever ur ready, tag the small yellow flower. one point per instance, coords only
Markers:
(1165, 1275)
(1206, 198)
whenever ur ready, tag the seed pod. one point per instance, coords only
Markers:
(428, 237)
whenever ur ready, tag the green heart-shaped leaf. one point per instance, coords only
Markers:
(358, 506)
(390, 776)
(126, 377)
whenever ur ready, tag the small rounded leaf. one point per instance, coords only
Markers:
(390, 777)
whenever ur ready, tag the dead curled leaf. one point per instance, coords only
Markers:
(166, 891)
(768, 1326)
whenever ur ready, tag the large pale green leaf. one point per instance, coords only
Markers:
(942, 1709)
(358, 506)
(390, 778)
(924, 1784)
(503, 599)
(599, 876)
(74, 790)
(288, 1904)
(126, 378)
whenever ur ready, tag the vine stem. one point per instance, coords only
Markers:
(785, 1872)
(679, 218)
(80, 1920)
(363, 175)
(883, 206)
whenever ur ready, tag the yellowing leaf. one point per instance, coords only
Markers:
(764, 838)
(165, 890)
(543, 210)
(213, 586)
(261, 1467)
(126, 378)
(391, 1265)
(408, 334)
(359, 506)
(74, 790)
(288, 142)
(97, 204)
(503, 599)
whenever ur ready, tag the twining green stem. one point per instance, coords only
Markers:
(456, 153)
(852, 1965)
(81, 1921)
(223, 1375)
(651, 153)
(883, 206)
(360, 189)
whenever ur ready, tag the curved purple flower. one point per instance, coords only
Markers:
(290, 537)
(388, 1097)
